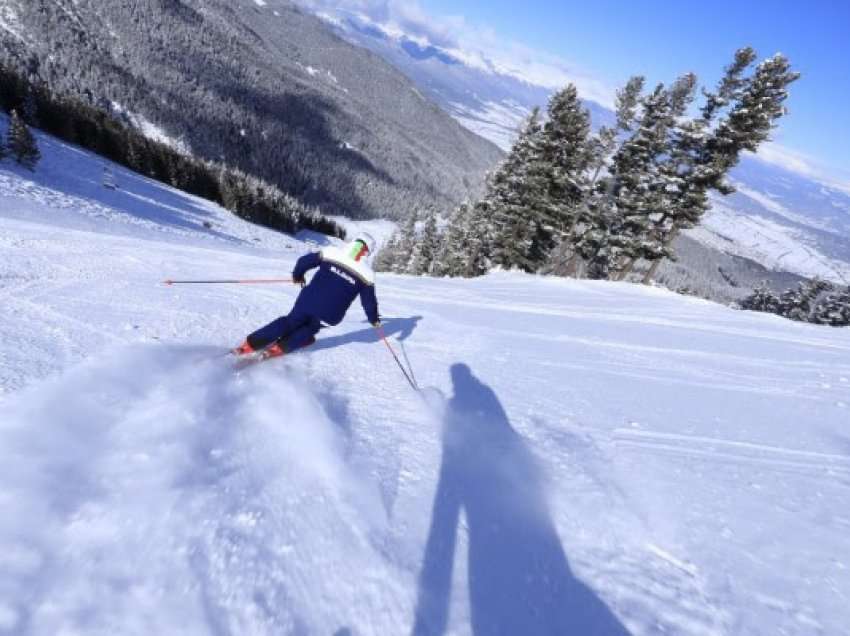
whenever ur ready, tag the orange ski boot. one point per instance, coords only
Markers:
(242, 350)
(273, 351)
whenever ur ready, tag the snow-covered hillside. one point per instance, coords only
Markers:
(604, 459)
(783, 221)
(489, 98)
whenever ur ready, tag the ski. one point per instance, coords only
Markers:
(247, 360)
(270, 352)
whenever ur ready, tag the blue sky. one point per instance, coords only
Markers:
(609, 40)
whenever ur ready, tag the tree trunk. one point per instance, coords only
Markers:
(572, 266)
(627, 269)
(650, 274)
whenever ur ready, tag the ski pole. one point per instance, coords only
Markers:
(257, 281)
(407, 362)
(395, 357)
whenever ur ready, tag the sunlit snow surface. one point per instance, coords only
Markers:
(591, 458)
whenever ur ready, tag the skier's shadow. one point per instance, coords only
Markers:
(520, 581)
(399, 327)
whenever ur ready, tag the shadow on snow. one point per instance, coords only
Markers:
(520, 581)
(401, 328)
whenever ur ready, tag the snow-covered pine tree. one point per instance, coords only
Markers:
(798, 304)
(595, 216)
(815, 301)
(566, 156)
(634, 192)
(663, 110)
(627, 103)
(640, 195)
(136, 158)
(427, 246)
(388, 255)
(731, 84)
(762, 299)
(479, 239)
(833, 309)
(22, 144)
(453, 241)
(517, 192)
(660, 176)
(746, 109)
(29, 108)
(751, 119)
(406, 244)
(687, 170)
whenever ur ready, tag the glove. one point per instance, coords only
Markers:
(377, 324)
(299, 281)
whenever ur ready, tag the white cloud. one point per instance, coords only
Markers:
(476, 45)
(803, 164)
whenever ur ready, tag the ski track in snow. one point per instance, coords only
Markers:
(592, 458)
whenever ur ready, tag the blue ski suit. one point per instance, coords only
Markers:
(325, 300)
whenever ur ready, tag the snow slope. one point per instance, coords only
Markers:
(604, 459)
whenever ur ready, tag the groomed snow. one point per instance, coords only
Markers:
(591, 458)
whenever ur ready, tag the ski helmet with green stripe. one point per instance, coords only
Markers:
(362, 246)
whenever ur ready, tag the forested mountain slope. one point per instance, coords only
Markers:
(261, 86)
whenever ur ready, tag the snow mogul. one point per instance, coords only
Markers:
(343, 275)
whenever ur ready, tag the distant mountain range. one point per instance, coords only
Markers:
(487, 99)
(260, 85)
(778, 218)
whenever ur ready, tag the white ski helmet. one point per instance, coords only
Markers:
(362, 240)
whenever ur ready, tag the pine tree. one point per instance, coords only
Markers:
(596, 215)
(797, 304)
(834, 309)
(29, 109)
(517, 194)
(762, 299)
(753, 116)
(617, 219)
(453, 244)
(388, 255)
(22, 144)
(612, 203)
(478, 232)
(745, 109)
(637, 194)
(536, 193)
(566, 154)
(427, 246)
(815, 301)
(406, 245)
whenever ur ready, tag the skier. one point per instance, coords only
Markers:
(342, 275)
